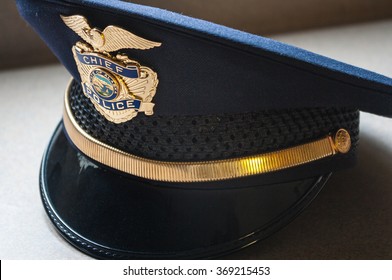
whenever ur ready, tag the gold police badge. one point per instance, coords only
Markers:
(118, 86)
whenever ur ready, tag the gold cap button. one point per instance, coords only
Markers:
(342, 141)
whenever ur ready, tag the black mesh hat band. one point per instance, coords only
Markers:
(81, 133)
(211, 137)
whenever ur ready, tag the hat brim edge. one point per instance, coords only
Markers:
(98, 251)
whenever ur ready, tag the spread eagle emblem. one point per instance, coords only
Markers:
(119, 87)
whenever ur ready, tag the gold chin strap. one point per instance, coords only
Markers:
(202, 171)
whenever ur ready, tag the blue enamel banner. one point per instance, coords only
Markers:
(95, 60)
(112, 105)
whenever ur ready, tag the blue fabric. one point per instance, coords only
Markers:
(205, 68)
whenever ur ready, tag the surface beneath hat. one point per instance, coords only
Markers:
(350, 219)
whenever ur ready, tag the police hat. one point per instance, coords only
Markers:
(182, 138)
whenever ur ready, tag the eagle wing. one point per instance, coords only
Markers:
(117, 38)
(143, 88)
(79, 25)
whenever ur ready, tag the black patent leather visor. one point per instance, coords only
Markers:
(108, 214)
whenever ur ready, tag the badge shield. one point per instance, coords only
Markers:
(118, 86)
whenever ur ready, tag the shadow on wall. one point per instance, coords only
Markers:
(20, 46)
